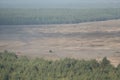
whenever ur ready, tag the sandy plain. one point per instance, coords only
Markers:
(91, 40)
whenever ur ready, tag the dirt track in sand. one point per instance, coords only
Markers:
(81, 41)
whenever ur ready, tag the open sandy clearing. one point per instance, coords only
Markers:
(81, 41)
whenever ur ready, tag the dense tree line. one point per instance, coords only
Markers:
(13, 67)
(56, 16)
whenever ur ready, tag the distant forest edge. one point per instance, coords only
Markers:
(56, 16)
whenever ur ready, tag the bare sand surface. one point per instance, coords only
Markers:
(91, 40)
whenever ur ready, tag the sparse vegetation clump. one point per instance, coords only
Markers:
(50, 51)
(13, 67)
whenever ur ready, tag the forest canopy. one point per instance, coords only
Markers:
(13, 67)
(56, 15)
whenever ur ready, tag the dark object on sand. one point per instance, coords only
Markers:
(50, 51)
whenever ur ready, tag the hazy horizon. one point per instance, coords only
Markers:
(59, 4)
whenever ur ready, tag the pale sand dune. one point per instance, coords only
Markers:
(104, 26)
(92, 40)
